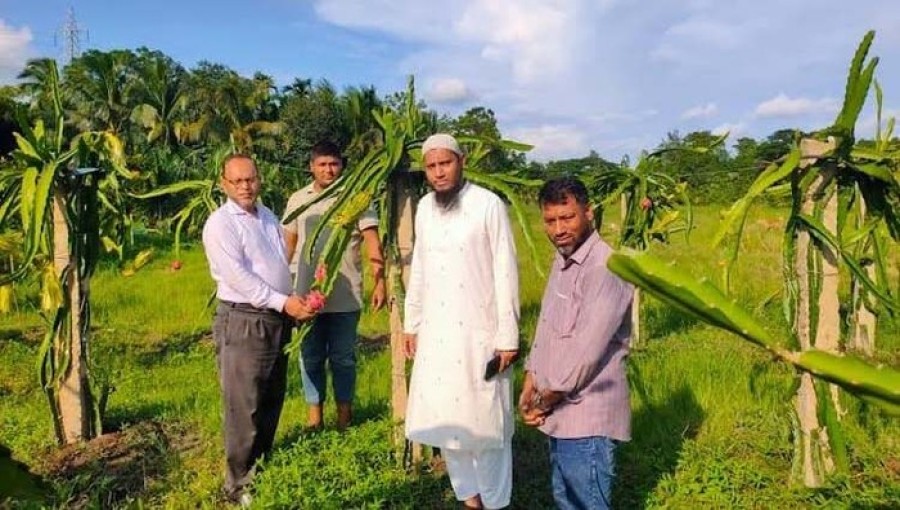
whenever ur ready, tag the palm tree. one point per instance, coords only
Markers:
(101, 86)
(357, 106)
(160, 93)
(225, 108)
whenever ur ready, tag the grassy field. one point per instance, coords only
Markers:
(711, 423)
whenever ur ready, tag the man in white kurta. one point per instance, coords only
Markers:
(462, 308)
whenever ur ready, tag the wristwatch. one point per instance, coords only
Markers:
(539, 402)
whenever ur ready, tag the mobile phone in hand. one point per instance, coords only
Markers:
(492, 368)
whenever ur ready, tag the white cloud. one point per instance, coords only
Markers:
(552, 141)
(449, 91)
(623, 117)
(15, 50)
(784, 106)
(697, 37)
(534, 37)
(571, 75)
(701, 112)
(407, 19)
(734, 130)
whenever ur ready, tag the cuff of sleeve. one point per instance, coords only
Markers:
(555, 386)
(540, 382)
(506, 344)
(276, 302)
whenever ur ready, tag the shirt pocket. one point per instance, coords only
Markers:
(564, 312)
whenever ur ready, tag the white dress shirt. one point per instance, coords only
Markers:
(246, 255)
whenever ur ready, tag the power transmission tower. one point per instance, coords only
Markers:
(71, 34)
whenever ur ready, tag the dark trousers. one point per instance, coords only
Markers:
(253, 377)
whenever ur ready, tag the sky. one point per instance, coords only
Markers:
(568, 76)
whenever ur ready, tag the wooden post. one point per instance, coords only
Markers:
(75, 417)
(865, 320)
(399, 268)
(636, 341)
(815, 448)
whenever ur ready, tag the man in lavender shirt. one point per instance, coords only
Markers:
(244, 245)
(575, 388)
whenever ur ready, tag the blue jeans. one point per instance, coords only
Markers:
(332, 337)
(582, 471)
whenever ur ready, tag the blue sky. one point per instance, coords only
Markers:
(566, 75)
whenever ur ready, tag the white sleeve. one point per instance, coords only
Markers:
(506, 276)
(412, 309)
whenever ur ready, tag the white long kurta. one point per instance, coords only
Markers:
(463, 303)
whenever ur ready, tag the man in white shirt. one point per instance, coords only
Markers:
(462, 310)
(244, 245)
(333, 335)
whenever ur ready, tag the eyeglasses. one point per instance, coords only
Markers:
(237, 183)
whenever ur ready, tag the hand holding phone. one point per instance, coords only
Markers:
(492, 368)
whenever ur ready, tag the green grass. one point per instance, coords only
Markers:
(711, 420)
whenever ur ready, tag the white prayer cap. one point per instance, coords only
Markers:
(441, 141)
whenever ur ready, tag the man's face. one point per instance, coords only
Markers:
(325, 170)
(443, 169)
(240, 181)
(567, 224)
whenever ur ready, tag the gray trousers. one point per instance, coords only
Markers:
(253, 377)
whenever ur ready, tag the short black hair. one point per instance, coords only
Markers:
(557, 191)
(325, 148)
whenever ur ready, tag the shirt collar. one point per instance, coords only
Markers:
(232, 207)
(581, 254)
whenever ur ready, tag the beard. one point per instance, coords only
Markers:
(449, 199)
(569, 250)
(566, 251)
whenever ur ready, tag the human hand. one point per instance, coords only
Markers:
(507, 358)
(526, 400)
(409, 345)
(533, 417)
(298, 308)
(315, 300)
(379, 294)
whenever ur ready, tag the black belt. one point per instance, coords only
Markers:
(247, 307)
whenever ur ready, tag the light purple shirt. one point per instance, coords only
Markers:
(246, 255)
(581, 345)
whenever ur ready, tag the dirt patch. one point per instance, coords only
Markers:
(115, 467)
(378, 343)
(892, 464)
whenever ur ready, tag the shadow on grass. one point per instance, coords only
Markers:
(531, 469)
(18, 485)
(159, 352)
(659, 431)
(118, 418)
(661, 320)
(28, 336)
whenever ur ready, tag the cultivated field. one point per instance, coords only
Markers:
(711, 426)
